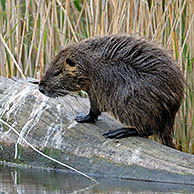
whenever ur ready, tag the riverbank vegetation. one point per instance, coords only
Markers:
(31, 33)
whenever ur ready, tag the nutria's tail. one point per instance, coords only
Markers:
(168, 132)
(168, 141)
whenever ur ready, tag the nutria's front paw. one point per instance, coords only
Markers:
(85, 118)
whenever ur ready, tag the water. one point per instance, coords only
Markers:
(17, 180)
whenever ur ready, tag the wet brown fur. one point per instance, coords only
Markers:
(132, 79)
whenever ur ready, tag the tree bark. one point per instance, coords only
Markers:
(48, 124)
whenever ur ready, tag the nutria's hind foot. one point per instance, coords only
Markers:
(121, 133)
(124, 132)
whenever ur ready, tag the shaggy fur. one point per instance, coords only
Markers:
(132, 79)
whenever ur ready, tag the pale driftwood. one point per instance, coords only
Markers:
(48, 124)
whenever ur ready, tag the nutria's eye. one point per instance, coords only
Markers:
(70, 62)
(58, 72)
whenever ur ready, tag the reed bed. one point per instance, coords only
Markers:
(32, 32)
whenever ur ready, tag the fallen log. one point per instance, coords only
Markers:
(48, 124)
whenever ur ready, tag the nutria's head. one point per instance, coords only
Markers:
(63, 75)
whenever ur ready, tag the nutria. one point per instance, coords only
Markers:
(132, 79)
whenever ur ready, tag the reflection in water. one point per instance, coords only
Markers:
(16, 180)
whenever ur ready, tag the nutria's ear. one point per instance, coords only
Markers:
(70, 62)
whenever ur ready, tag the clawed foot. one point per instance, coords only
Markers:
(121, 133)
(82, 118)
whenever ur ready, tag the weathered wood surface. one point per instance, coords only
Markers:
(48, 124)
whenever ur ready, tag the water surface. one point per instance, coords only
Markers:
(19, 180)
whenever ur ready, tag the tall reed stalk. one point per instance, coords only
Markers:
(31, 32)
